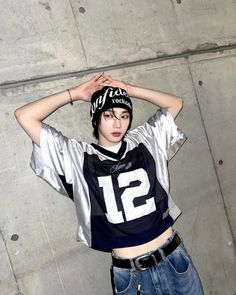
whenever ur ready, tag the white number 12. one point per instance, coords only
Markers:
(130, 193)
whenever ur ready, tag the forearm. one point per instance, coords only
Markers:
(161, 99)
(42, 108)
(31, 115)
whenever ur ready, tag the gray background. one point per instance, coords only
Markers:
(183, 47)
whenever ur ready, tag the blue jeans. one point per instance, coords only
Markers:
(175, 275)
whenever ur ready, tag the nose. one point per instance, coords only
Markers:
(116, 123)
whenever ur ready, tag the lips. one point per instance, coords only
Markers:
(116, 134)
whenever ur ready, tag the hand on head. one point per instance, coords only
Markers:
(85, 90)
(115, 83)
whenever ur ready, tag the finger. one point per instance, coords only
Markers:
(105, 81)
(99, 75)
(102, 79)
(99, 87)
(108, 78)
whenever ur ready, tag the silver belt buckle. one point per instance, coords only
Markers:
(137, 261)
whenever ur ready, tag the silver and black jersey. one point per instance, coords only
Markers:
(122, 199)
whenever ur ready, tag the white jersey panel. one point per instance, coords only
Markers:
(60, 158)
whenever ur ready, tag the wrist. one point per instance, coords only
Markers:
(130, 89)
(70, 96)
(74, 93)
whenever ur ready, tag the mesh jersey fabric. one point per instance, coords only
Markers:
(121, 199)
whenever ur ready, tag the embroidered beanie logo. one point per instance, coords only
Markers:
(108, 98)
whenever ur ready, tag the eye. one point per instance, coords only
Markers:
(126, 116)
(108, 115)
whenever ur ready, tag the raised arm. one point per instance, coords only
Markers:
(173, 104)
(163, 100)
(31, 115)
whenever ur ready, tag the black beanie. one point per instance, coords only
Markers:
(108, 98)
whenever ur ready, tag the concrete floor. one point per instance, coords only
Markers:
(183, 47)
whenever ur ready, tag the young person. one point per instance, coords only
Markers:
(119, 185)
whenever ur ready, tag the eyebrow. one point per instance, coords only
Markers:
(112, 111)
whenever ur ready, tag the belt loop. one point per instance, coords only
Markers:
(162, 254)
(154, 258)
(132, 264)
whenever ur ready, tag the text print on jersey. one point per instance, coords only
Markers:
(130, 193)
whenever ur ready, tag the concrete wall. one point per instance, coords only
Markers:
(183, 47)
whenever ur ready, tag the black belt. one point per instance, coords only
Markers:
(147, 260)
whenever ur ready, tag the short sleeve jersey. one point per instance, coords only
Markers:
(122, 199)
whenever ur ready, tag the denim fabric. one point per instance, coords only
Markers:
(175, 275)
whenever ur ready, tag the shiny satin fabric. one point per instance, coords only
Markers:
(59, 155)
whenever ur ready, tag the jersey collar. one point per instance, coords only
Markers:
(110, 154)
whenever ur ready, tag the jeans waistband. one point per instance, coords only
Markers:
(149, 259)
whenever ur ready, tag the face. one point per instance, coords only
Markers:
(113, 126)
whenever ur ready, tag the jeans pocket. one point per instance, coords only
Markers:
(179, 260)
(122, 280)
